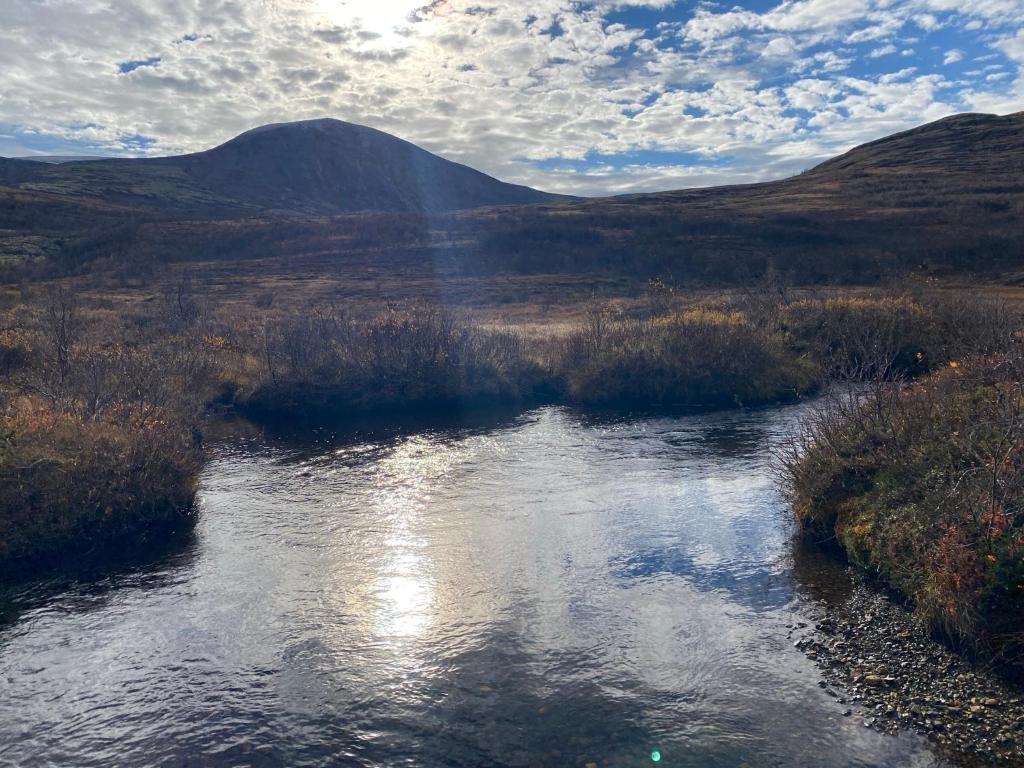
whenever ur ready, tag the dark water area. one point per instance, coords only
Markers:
(552, 590)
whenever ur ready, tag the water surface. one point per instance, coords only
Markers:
(550, 591)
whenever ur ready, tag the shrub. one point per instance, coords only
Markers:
(864, 337)
(867, 337)
(325, 362)
(924, 486)
(98, 435)
(702, 357)
(70, 487)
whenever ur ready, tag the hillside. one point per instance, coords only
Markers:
(947, 197)
(985, 145)
(318, 167)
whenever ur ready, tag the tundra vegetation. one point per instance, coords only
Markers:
(921, 481)
(912, 462)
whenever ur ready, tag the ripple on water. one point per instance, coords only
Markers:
(555, 590)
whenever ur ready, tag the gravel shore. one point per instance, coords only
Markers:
(885, 669)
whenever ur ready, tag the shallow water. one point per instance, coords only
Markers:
(552, 590)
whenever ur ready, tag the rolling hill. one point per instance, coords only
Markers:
(944, 197)
(948, 195)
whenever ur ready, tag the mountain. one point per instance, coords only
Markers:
(944, 197)
(319, 167)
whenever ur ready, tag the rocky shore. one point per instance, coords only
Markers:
(883, 668)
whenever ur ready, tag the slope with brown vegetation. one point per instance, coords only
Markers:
(947, 196)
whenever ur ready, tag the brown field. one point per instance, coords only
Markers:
(532, 303)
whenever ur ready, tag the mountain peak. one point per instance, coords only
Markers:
(329, 166)
(320, 167)
(320, 125)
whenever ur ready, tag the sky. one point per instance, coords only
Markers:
(589, 98)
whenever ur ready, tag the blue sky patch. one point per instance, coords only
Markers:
(130, 66)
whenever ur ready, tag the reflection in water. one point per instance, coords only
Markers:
(553, 591)
(404, 586)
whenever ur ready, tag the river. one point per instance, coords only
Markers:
(549, 590)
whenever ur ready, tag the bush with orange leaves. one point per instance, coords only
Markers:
(98, 438)
(864, 337)
(70, 488)
(924, 486)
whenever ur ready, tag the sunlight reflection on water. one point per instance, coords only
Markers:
(552, 591)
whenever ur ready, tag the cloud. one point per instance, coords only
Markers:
(605, 96)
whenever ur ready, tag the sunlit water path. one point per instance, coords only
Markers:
(550, 591)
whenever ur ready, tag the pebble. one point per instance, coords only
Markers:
(899, 679)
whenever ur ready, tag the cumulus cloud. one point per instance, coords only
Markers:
(587, 97)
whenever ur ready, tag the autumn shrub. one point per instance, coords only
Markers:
(864, 337)
(924, 485)
(700, 357)
(70, 487)
(16, 352)
(896, 336)
(324, 362)
(99, 435)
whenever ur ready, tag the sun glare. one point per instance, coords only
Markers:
(381, 17)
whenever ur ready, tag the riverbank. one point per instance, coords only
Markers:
(99, 368)
(887, 671)
(923, 486)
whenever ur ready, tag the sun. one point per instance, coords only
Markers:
(381, 17)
